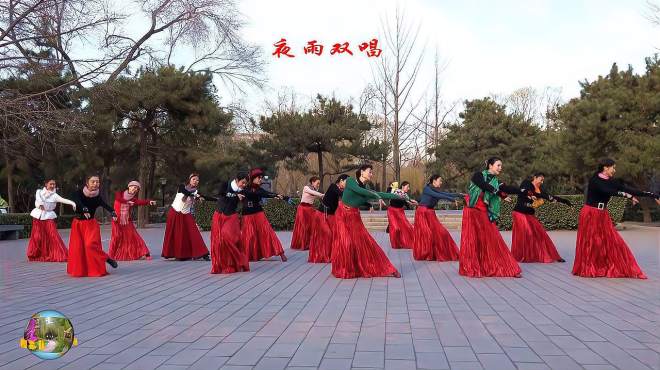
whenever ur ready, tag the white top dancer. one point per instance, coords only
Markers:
(45, 202)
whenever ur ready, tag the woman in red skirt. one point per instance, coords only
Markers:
(323, 225)
(600, 250)
(45, 244)
(530, 242)
(227, 253)
(305, 214)
(258, 235)
(86, 255)
(355, 253)
(400, 230)
(183, 240)
(483, 251)
(126, 244)
(432, 241)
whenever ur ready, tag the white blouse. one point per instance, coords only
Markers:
(182, 206)
(48, 200)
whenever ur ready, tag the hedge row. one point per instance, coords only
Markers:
(280, 213)
(557, 216)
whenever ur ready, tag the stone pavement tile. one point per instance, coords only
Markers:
(465, 365)
(585, 356)
(495, 361)
(397, 327)
(600, 367)
(551, 329)
(545, 348)
(345, 337)
(147, 362)
(252, 351)
(394, 338)
(225, 349)
(172, 367)
(301, 368)
(239, 337)
(432, 360)
(646, 356)
(207, 362)
(205, 343)
(460, 354)
(561, 362)
(429, 333)
(522, 354)
(128, 355)
(566, 342)
(399, 364)
(531, 366)
(369, 359)
(26, 361)
(169, 349)
(616, 356)
(85, 362)
(272, 363)
(187, 357)
(426, 345)
(340, 350)
(236, 367)
(336, 363)
(282, 350)
(399, 352)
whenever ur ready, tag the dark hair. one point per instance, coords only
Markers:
(341, 177)
(364, 167)
(605, 162)
(404, 184)
(90, 176)
(242, 175)
(47, 180)
(538, 174)
(313, 178)
(432, 178)
(491, 161)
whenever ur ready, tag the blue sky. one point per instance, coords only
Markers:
(489, 46)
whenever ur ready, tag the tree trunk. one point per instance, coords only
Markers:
(320, 159)
(10, 164)
(646, 210)
(143, 163)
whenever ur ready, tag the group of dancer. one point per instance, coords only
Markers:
(334, 232)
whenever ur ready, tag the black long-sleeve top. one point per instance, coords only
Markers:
(478, 179)
(398, 203)
(330, 200)
(89, 205)
(182, 189)
(601, 190)
(228, 199)
(524, 201)
(252, 201)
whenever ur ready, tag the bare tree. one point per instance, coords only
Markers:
(397, 71)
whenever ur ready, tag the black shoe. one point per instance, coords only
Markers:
(112, 263)
(387, 229)
(206, 258)
(561, 260)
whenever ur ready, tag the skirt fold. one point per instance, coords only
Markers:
(126, 244)
(259, 238)
(182, 237)
(530, 242)
(432, 241)
(302, 226)
(401, 231)
(227, 255)
(86, 255)
(321, 237)
(600, 251)
(45, 243)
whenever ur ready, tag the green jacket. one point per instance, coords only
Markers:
(3, 203)
(356, 196)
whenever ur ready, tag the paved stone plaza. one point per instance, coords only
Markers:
(294, 315)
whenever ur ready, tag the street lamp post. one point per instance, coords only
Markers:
(163, 182)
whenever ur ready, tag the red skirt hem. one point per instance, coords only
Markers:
(401, 231)
(86, 255)
(432, 241)
(126, 244)
(259, 237)
(600, 251)
(320, 242)
(530, 242)
(45, 243)
(182, 237)
(227, 255)
(302, 227)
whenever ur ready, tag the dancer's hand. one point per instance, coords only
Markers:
(130, 203)
(42, 208)
(657, 201)
(152, 202)
(280, 196)
(508, 199)
(533, 197)
(74, 207)
(634, 200)
(241, 196)
(414, 202)
(87, 215)
(381, 202)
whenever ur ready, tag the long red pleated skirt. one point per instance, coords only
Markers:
(530, 242)
(302, 227)
(126, 244)
(355, 253)
(600, 250)
(483, 251)
(182, 237)
(401, 231)
(86, 255)
(320, 241)
(227, 254)
(432, 241)
(259, 239)
(45, 244)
